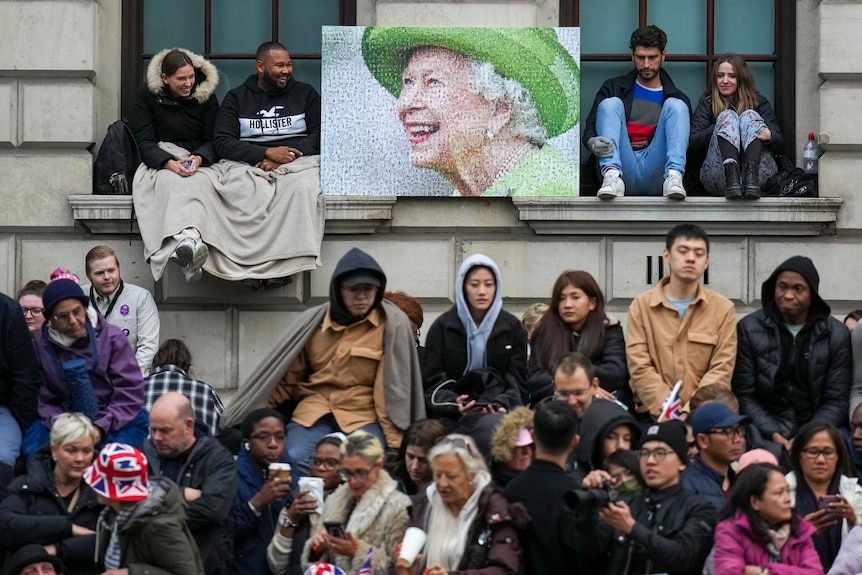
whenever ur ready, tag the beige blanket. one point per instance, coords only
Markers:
(257, 224)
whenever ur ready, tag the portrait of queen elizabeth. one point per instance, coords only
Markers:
(478, 106)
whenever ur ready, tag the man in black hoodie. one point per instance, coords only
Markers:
(271, 119)
(793, 361)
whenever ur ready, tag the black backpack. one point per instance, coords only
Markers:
(117, 161)
(790, 182)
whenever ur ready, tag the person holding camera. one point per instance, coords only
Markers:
(664, 529)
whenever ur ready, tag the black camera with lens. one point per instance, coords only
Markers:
(597, 497)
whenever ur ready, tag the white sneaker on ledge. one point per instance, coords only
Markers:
(191, 254)
(672, 187)
(612, 186)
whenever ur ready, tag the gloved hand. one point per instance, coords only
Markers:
(601, 147)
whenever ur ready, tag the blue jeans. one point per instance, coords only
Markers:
(301, 442)
(10, 437)
(740, 130)
(644, 170)
(134, 434)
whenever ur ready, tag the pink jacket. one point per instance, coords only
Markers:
(736, 546)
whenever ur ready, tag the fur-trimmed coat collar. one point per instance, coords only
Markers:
(378, 521)
(206, 75)
(503, 442)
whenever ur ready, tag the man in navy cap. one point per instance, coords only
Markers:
(720, 437)
(793, 360)
(663, 529)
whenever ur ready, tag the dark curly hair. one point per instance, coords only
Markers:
(649, 37)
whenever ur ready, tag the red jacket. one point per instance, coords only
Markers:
(736, 546)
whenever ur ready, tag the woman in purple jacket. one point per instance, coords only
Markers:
(87, 366)
(760, 533)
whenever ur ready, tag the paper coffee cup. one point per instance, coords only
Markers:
(280, 470)
(314, 486)
(411, 546)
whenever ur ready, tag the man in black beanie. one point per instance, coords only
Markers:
(793, 360)
(663, 529)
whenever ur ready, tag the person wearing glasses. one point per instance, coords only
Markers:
(19, 384)
(575, 382)
(202, 467)
(30, 299)
(87, 366)
(470, 525)
(720, 437)
(260, 494)
(366, 513)
(663, 529)
(823, 486)
(301, 518)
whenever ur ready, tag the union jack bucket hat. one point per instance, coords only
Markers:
(119, 473)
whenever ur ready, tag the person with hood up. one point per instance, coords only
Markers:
(475, 353)
(606, 427)
(267, 133)
(175, 110)
(793, 361)
(143, 529)
(345, 365)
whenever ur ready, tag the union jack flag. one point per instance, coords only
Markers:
(671, 405)
(366, 564)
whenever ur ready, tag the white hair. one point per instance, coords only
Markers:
(494, 87)
(464, 447)
(72, 427)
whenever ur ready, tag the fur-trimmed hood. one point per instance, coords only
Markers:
(206, 74)
(503, 442)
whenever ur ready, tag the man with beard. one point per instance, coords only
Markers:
(639, 124)
(268, 122)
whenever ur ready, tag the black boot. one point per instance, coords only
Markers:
(750, 186)
(732, 189)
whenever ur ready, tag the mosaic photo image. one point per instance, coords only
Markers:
(455, 112)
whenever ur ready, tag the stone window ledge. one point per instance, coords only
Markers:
(549, 216)
(650, 216)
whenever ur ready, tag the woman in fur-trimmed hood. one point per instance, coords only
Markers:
(512, 445)
(177, 105)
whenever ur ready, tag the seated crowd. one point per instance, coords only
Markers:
(685, 443)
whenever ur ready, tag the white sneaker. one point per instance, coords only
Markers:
(612, 186)
(191, 254)
(672, 187)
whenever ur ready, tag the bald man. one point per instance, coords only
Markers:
(202, 467)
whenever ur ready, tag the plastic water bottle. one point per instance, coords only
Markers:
(809, 155)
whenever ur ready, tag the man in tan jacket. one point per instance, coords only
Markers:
(679, 330)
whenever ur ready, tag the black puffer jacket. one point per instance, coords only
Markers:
(783, 385)
(186, 122)
(19, 376)
(673, 530)
(33, 512)
(446, 358)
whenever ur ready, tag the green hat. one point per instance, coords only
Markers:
(531, 56)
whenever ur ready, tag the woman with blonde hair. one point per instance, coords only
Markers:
(365, 514)
(52, 505)
(733, 124)
(470, 525)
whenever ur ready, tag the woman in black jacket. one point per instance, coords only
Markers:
(475, 353)
(576, 321)
(175, 112)
(52, 505)
(733, 124)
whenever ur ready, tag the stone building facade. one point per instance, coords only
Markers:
(59, 90)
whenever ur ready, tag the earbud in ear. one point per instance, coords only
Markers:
(246, 444)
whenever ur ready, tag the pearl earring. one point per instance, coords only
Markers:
(489, 134)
